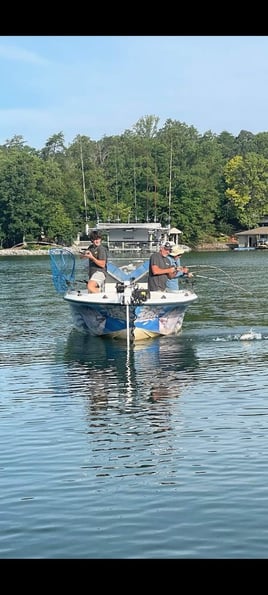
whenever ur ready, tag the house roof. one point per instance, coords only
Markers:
(174, 230)
(130, 226)
(254, 232)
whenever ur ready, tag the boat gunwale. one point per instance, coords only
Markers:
(157, 298)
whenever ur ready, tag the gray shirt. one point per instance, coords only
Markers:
(158, 282)
(100, 252)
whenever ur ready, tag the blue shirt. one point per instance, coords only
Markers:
(173, 284)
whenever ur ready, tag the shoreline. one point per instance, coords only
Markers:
(217, 246)
(39, 252)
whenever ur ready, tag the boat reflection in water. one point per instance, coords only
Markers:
(116, 378)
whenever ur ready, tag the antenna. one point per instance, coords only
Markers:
(135, 189)
(147, 192)
(116, 186)
(84, 187)
(95, 202)
(155, 194)
(169, 191)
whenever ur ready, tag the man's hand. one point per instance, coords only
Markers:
(187, 273)
(172, 273)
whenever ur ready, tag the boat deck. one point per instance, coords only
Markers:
(111, 295)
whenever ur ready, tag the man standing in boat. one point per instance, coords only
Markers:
(160, 269)
(97, 256)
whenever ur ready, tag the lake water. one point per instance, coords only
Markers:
(160, 451)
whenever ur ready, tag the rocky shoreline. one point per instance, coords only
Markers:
(14, 252)
(25, 252)
(44, 252)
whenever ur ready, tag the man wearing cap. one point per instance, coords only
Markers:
(160, 268)
(172, 283)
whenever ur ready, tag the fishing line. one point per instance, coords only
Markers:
(219, 280)
(226, 283)
(210, 266)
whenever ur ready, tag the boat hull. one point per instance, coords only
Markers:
(111, 315)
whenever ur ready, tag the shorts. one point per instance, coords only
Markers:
(99, 277)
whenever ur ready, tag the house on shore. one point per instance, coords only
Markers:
(253, 238)
(133, 237)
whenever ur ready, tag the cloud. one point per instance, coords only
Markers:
(18, 54)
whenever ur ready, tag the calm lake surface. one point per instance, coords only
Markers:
(156, 452)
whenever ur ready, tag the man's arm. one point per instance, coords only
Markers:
(156, 270)
(99, 262)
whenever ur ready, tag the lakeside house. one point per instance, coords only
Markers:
(133, 236)
(253, 238)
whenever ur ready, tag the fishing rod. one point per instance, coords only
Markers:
(219, 280)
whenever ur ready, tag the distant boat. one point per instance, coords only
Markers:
(262, 245)
(124, 309)
(244, 248)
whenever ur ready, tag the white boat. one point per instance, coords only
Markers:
(124, 309)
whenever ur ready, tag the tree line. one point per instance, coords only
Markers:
(206, 184)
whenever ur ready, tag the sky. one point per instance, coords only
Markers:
(102, 85)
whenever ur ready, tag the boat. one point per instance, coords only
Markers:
(262, 245)
(244, 248)
(124, 309)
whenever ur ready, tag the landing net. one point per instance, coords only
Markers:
(62, 263)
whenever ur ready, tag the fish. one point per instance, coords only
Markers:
(250, 336)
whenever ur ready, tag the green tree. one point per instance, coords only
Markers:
(146, 126)
(247, 187)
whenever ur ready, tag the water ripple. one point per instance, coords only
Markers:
(159, 452)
